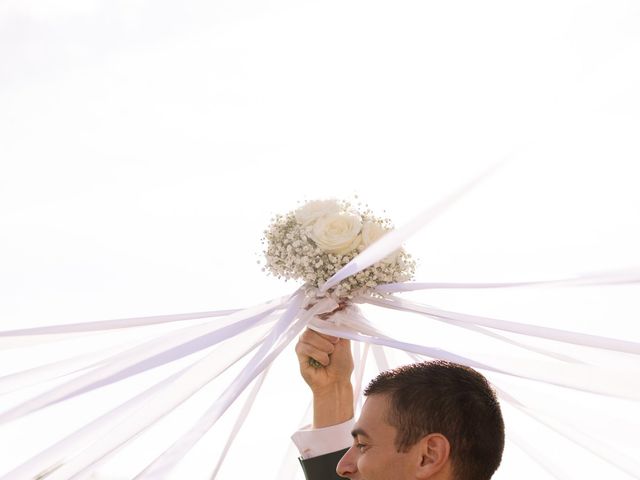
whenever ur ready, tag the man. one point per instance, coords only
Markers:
(432, 420)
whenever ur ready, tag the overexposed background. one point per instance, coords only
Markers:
(144, 147)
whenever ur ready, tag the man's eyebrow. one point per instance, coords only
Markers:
(358, 431)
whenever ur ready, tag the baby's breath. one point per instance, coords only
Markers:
(293, 250)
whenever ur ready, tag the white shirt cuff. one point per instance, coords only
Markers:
(313, 442)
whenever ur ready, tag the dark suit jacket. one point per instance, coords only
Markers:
(322, 467)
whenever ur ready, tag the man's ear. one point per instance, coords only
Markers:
(434, 450)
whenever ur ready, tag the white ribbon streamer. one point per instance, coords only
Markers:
(242, 416)
(359, 373)
(586, 280)
(595, 446)
(356, 329)
(392, 240)
(489, 333)
(542, 459)
(173, 394)
(281, 335)
(145, 356)
(50, 371)
(102, 325)
(116, 427)
(289, 465)
(381, 358)
(555, 334)
(604, 381)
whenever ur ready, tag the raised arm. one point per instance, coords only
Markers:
(330, 383)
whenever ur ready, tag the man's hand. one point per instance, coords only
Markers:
(330, 383)
(334, 354)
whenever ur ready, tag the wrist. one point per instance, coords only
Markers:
(337, 389)
(332, 404)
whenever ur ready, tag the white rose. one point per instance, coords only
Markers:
(311, 211)
(371, 232)
(337, 233)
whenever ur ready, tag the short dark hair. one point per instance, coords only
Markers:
(450, 399)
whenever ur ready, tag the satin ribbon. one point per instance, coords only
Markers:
(281, 335)
(153, 411)
(242, 416)
(67, 460)
(143, 357)
(348, 324)
(113, 429)
(394, 239)
(50, 371)
(101, 325)
(604, 381)
(361, 362)
(585, 280)
(555, 334)
(594, 446)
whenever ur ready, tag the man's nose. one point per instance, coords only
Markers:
(347, 464)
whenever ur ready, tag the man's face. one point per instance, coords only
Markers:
(373, 455)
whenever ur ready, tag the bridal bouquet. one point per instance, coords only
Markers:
(316, 240)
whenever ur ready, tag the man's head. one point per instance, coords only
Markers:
(431, 420)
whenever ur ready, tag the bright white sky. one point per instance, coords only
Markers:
(144, 146)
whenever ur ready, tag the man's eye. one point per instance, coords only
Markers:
(361, 446)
